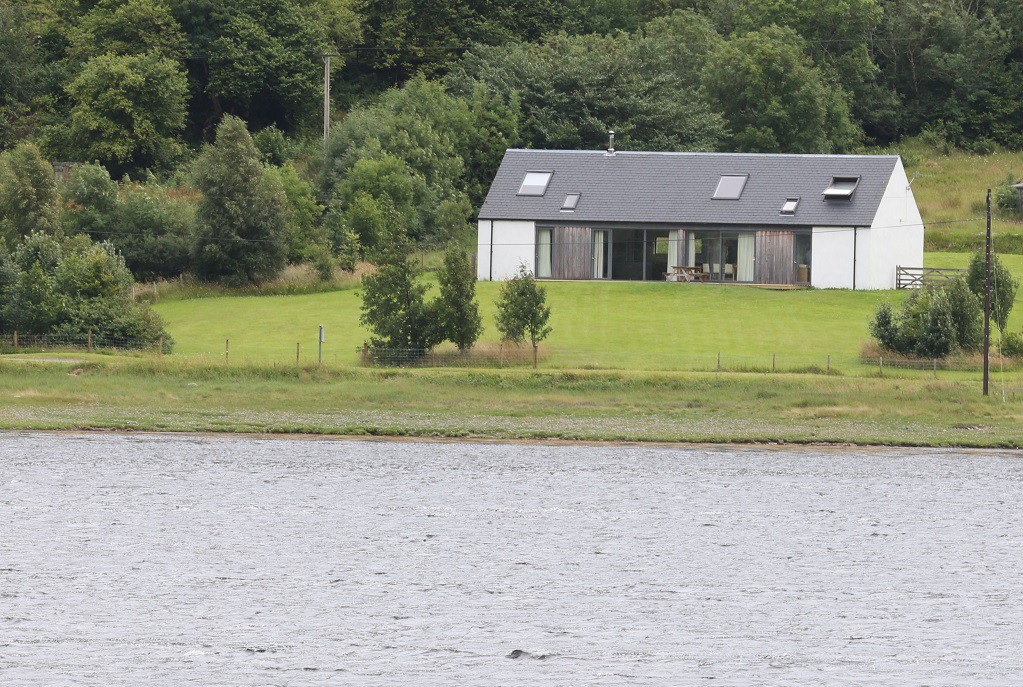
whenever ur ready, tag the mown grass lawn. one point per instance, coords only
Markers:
(628, 325)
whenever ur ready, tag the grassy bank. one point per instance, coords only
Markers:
(150, 394)
(952, 187)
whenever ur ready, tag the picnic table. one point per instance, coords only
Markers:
(683, 273)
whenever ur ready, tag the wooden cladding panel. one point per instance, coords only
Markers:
(774, 257)
(573, 253)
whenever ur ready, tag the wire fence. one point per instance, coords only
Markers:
(510, 355)
(89, 342)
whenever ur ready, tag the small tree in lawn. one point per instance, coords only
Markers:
(393, 307)
(459, 313)
(522, 310)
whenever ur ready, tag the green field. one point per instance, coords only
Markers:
(97, 392)
(951, 188)
(616, 325)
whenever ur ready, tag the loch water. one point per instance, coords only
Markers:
(192, 560)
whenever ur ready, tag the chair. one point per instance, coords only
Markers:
(729, 271)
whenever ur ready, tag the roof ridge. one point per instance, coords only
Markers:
(681, 153)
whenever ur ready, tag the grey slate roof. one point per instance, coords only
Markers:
(677, 188)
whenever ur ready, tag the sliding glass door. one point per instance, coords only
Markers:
(722, 256)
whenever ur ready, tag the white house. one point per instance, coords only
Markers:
(830, 221)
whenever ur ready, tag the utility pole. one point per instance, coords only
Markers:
(987, 292)
(326, 95)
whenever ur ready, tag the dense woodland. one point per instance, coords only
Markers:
(196, 125)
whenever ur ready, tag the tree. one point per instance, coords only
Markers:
(459, 313)
(131, 27)
(572, 89)
(242, 218)
(262, 59)
(773, 97)
(393, 307)
(20, 71)
(128, 111)
(1003, 287)
(522, 310)
(28, 193)
(306, 237)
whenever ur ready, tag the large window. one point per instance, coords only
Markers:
(722, 256)
(730, 187)
(600, 250)
(544, 248)
(801, 255)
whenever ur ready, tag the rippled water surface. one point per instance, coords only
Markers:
(168, 560)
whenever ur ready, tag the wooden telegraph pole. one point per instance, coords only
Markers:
(326, 95)
(987, 294)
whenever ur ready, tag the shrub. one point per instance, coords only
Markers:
(273, 145)
(70, 286)
(933, 322)
(1006, 196)
(1012, 344)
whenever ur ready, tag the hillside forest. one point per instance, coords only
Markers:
(185, 136)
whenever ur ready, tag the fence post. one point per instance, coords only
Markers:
(159, 346)
(935, 368)
(298, 348)
(829, 363)
(15, 340)
(774, 362)
(500, 360)
(880, 366)
(156, 294)
(719, 361)
(227, 351)
(88, 341)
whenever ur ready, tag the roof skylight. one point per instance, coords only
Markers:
(535, 183)
(789, 206)
(730, 187)
(841, 188)
(571, 200)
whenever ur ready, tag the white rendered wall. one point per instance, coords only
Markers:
(898, 232)
(831, 257)
(514, 244)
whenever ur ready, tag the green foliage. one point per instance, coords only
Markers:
(242, 218)
(262, 60)
(393, 307)
(127, 27)
(572, 89)
(344, 241)
(522, 310)
(127, 111)
(150, 225)
(773, 97)
(384, 179)
(1012, 344)
(21, 71)
(933, 322)
(457, 310)
(1006, 195)
(28, 193)
(446, 144)
(306, 236)
(70, 286)
(1003, 287)
(453, 220)
(273, 145)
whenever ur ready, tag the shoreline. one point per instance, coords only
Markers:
(509, 441)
